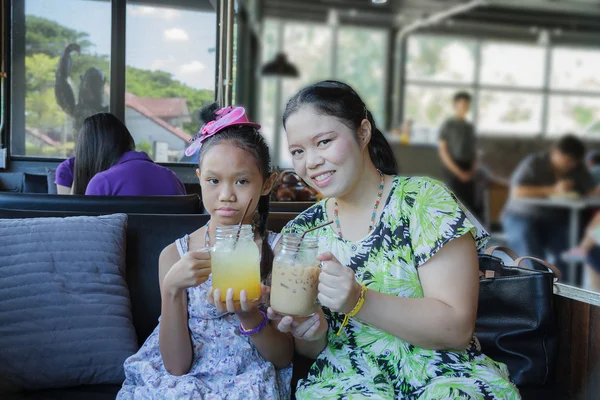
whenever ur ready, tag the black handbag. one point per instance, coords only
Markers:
(515, 317)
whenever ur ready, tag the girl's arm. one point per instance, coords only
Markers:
(174, 338)
(444, 319)
(274, 346)
(175, 275)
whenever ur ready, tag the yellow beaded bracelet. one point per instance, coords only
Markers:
(355, 310)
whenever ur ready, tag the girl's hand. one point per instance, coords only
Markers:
(305, 328)
(338, 289)
(192, 269)
(242, 307)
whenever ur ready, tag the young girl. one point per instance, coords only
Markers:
(399, 280)
(204, 348)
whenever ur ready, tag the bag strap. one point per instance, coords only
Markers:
(552, 268)
(490, 250)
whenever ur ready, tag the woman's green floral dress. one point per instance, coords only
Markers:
(420, 216)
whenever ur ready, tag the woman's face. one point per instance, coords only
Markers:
(229, 178)
(325, 152)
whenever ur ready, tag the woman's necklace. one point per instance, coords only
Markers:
(373, 216)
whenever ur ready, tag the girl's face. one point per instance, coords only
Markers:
(229, 178)
(325, 152)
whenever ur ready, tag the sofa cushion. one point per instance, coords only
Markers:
(65, 315)
(11, 182)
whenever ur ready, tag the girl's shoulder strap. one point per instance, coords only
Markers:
(182, 245)
(273, 239)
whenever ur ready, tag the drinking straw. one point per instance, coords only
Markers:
(240, 225)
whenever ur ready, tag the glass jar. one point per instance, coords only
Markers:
(235, 261)
(295, 276)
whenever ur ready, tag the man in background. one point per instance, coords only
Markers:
(458, 152)
(543, 231)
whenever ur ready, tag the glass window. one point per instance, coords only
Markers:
(509, 112)
(512, 64)
(64, 75)
(361, 63)
(436, 58)
(575, 69)
(428, 107)
(575, 114)
(308, 47)
(268, 86)
(170, 75)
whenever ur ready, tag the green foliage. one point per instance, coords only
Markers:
(45, 43)
(50, 38)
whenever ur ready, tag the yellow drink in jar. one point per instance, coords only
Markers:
(236, 266)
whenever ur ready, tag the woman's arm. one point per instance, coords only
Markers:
(174, 338)
(444, 319)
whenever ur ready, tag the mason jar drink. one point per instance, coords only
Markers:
(295, 276)
(236, 262)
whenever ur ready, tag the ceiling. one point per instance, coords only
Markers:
(563, 16)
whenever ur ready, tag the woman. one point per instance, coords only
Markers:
(399, 280)
(106, 163)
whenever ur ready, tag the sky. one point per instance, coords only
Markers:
(166, 39)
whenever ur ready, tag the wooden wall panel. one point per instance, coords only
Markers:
(578, 363)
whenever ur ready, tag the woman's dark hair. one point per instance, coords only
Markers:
(102, 141)
(251, 141)
(339, 100)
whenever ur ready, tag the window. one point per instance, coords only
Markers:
(361, 63)
(509, 112)
(576, 114)
(170, 75)
(575, 69)
(305, 45)
(359, 60)
(427, 107)
(509, 64)
(440, 59)
(64, 76)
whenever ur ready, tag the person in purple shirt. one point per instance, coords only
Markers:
(108, 165)
(64, 176)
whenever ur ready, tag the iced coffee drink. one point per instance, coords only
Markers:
(295, 277)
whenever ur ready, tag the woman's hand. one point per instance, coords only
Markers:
(192, 269)
(240, 308)
(338, 289)
(306, 328)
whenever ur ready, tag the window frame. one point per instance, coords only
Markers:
(546, 91)
(118, 59)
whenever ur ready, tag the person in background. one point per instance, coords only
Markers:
(593, 164)
(541, 231)
(64, 176)
(457, 150)
(108, 165)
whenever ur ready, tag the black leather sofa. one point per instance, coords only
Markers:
(188, 204)
(147, 235)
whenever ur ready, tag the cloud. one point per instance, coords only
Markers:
(167, 14)
(176, 34)
(162, 63)
(192, 67)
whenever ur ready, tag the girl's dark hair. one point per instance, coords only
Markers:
(339, 100)
(251, 141)
(102, 141)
